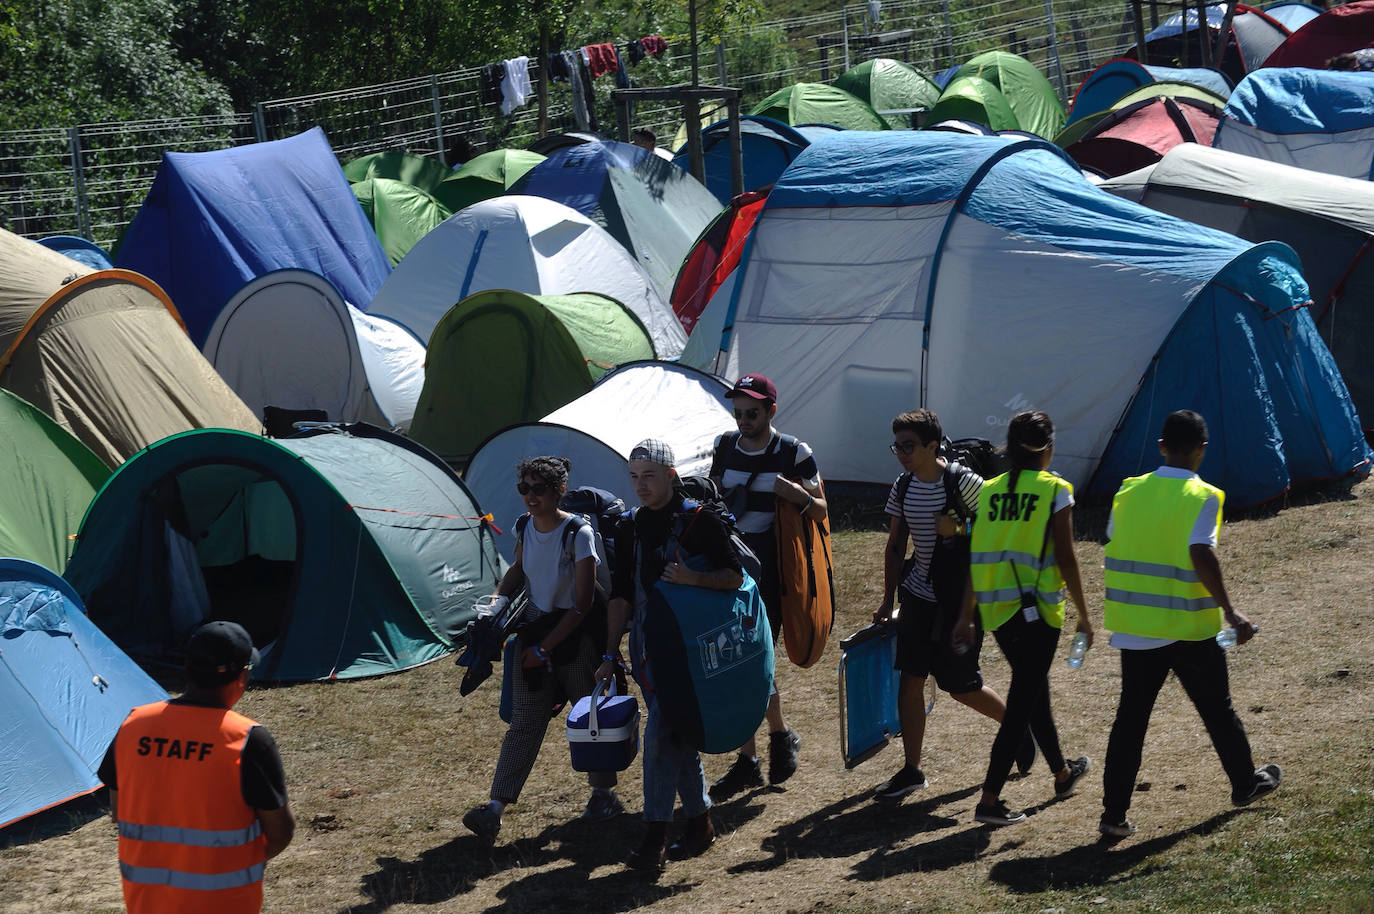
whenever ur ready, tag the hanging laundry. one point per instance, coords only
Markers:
(635, 51)
(601, 59)
(583, 97)
(653, 44)
(515, 87)
(489, 80)
(557, 67)
(622, 73)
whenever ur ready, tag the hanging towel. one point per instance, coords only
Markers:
(515, 88)
(601, 59)
(490, 81)
(653, 44)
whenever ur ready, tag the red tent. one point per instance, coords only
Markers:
(1336, 31)
(715, 255)
(1140, 134)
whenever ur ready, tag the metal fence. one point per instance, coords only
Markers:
(90, 179)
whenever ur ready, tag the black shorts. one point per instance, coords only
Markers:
(923, 647)
(765, 546)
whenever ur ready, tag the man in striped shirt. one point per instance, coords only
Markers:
(755, 467)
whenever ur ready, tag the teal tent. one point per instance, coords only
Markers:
(345, 552)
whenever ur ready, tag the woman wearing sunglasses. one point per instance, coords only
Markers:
(1021, 562)
(555, 562)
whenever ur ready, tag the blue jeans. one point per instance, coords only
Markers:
(670, 769)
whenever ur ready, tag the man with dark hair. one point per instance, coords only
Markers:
(644, 138)
(198, 791)
(756, 466)
(932, 500)
(1165, 605)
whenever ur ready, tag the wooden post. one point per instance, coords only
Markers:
(691, 110)
(1139, 31)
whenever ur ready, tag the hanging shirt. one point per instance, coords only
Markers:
(653, 44)
(489, 80)
(601, 59)
(515, 86)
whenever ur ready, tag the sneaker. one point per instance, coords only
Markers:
(743, 775)
(1077, 768)
(601, 805)
(1122, 829)
(996, 814)
(902, 783)
(1267, 780)
(783, 749)
(483, 821)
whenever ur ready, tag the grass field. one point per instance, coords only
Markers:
(381, 772)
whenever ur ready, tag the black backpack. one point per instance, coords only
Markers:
(700, 493)
(978, 454)
(949, 559)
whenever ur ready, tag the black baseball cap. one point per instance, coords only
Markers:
(220, 650)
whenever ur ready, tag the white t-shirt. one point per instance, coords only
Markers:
(541, 557)
(1204, 534)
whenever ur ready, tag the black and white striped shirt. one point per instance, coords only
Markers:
(925, 501)
(733, 466)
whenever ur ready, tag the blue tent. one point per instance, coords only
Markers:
(766, 148)
(981, 276)
(215, 220)
(1292, 14)
(1317, 119)
(1102, 87)
(78, 249)
(64, 690)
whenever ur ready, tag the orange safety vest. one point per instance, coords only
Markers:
(187, 840)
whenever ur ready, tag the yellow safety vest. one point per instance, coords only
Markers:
(1009, 550)
(1152, 587)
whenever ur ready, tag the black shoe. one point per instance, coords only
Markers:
(652, 855)
(996, 814)
(483, 821)
(1267, 780)
(1067, 787)
(696, 838)
(1025, 755)
(783, 749)
(906, 781)
(743, 775)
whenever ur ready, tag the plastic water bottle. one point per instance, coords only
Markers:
(1078, 650)
(1227, 638)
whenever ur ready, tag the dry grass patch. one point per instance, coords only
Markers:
(381, 772)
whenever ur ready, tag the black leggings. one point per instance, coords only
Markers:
(1029, 648)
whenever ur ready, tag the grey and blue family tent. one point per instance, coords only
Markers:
(50, 479)
(214, 220)
(289, 340)
(79, 249)
(1317, 119)
(64, 690)
(525, 244)
(680, 405)
(1103, 87)
(980, 276)
(104, 353)
(1251, 36)
(766, 148)
(655, 210)
(1327, 220)
(345, 551)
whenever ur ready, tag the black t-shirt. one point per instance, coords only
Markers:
(702, 535)
(261, 777)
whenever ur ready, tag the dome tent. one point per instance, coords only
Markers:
(1338, 30)
(1028, 93)
(488, 175)
(424, 172)
(888, 84)
(501, 357)
(766, 148)
(818, 103)
(288, 339)
(1140, 134)
(345, 551)
(1103, 87)
(401, 214)
(972, 98)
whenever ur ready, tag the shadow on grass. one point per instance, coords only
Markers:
(1095, 864)
(59, 820)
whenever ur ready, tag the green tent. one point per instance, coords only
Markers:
(1164, 89)
(345, 551)
(401, 214)
(818, 103)
(49, 481)
(490, 174)
(500, 357)
(1026, 89)
(424, 172)
(972, 98)
(889, 84)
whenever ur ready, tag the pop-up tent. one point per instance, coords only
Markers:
(64, 690)
(345, 552)
(288, 339)
(894, 89)
(1138, 135)
(488, 175)
(526, 244)
(50, 479)
(974, 99)
(1327, 220)
(1292, 14)
(1338, 30)
(818, 103)
(1104, 87)
(1317, 119)
(1027, 91)
(1020, 285)
(1251, 37)
(104, 353)
(401, 214)
(680, 405)
(655, 210)
(214, 220)
(501, 357)
(766, 148)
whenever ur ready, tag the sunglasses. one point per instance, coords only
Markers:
(748, 413)
(909, 447)
(539, 489)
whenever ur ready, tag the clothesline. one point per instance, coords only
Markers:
(507, 84)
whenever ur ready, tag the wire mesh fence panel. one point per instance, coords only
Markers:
(37, 190)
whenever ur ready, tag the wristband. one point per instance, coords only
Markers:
(810, 500)
(540, 653)
(610, 658)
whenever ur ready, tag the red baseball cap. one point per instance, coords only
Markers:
(754, 385)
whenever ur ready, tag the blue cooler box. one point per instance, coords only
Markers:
(603, 730)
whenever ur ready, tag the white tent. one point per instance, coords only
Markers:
(682, 406)
(525, 244)
(289, 339)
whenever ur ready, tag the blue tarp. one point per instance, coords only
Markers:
(1287, 100)
(215, 220)
(767, 146)
(1216, 15)
(64, 690)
